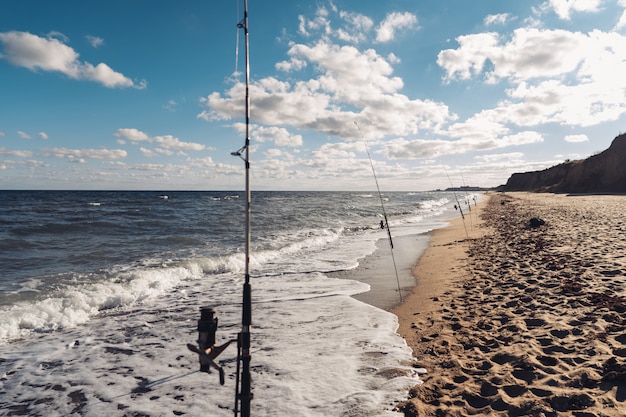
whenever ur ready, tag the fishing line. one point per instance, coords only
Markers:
(382, 204)
(237, 42)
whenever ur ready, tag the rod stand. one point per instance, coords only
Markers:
(206, 349)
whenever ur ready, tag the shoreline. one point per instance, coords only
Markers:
(522, 320)
(378, 271)
(439, 267)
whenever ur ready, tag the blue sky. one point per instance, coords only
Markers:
(148, 94)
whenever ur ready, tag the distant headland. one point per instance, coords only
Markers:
(603, 173)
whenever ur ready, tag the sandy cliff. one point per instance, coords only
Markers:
(601, 173)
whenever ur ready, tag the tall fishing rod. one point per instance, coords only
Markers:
(207, 325)
(382, 204)
(243, 394)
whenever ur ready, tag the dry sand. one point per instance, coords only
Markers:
(514, 320)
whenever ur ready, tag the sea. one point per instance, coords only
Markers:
(100, 293)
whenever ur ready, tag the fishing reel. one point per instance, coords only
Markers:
(206, 349)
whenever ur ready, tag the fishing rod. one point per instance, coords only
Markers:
(458, 204)
(207, 325)
(469, 205)
(382, 204)
(243, 394)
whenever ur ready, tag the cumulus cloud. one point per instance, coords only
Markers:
(273, 153)
(172, 142)
(530, 53)
(354, 27)
(33, 52)
(164, 142)
(81, 155)
(23, 135)
(349, 85)
(420, 148)
(386, 31)
(564, 8)
(571, 78)
(19, 154)
(278, 135)
(43, 135)
(131, 134)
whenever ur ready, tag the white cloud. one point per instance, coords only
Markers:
(558, 76)
(95, 41)
(622, 20)
(149, 153)
(30, 51)
(386, 31)
(349, 85)
(23, 135)
(131, 134)
(171, 142)
(356, 27)
(43, 135)
(551, 76)
(280, 136)
(2, 134)
(80, 155)
(165, 141)
(420, 148)
(273, 153)
(564, 8)
(320, 23)
(530, 53)
(576, 138)
(469, 59)
(10, 152)
(496, 19)
(206, 162)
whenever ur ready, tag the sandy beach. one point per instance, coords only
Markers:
(514, 317)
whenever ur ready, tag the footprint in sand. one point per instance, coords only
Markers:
(561, 334)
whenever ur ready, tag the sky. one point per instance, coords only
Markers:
(150, 94)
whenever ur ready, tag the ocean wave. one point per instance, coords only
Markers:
(73, 305)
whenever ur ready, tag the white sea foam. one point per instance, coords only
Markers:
(74, 305)
(316, 352)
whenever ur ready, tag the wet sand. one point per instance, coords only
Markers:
(511, 319)
(378, 270)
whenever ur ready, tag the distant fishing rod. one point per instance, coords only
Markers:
(458, 204)
(469, 206)
(382, 204)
